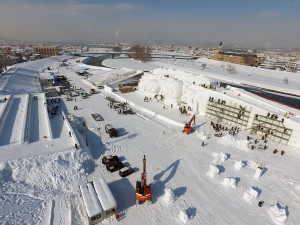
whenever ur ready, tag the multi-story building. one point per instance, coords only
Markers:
(46, 50)
(232, 57)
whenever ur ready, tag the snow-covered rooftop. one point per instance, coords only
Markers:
(91, 201)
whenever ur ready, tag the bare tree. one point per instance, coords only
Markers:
(231, 69)
(140, 53)
(203, 66)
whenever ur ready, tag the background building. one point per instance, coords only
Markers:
(46, 50)
(232, 57)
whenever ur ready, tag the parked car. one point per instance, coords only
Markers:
(97, 116)
(114, 166)
(111, 131)
(110, 158)
(126, 171)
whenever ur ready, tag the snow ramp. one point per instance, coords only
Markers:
(38, 125)
(13, 120)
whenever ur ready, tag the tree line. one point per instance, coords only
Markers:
(140, 53)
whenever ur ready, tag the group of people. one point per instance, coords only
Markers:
(147, 99)
(218, 127)
(52, 101)
(183, 110)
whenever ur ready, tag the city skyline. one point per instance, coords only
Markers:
(267, 23)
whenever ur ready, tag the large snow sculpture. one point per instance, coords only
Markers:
(152, 87)
(173, 92)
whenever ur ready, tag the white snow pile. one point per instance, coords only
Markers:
(2, 171)
(169, 196)
(55, 173)
(238, 165)
(220, 157)
(42, 178)
(258, 172)
(213, 171)
(183, 216)
(254, 165)
(277, 214)
(250, 195)
(229, 182)
(229, 140)
(203, 135)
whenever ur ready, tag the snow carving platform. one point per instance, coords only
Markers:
(277, 214)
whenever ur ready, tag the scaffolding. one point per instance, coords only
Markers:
(272, 128)
(229, 113)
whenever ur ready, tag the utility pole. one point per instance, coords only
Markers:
(58, 68)
(99, 130)
(85, 132)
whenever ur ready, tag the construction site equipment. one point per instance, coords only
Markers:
(125, 110)
(111, 131)
(187, 127)
(143, 191)
(97, 116)
(110, 158)
(126, 171)
(98, 201)
(114, 166)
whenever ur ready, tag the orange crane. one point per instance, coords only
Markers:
(143, 191)
(187, 127)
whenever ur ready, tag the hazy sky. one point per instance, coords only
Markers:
(262, 23)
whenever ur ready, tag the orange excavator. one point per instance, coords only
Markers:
(143, 191)
(187, 127)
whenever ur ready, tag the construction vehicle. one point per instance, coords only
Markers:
(111, 131)
(126, 171)
(125, 110)
(110, 158)
(93, 91)
(143, 191)
(114, 166)
(187, 127)
(97, 116)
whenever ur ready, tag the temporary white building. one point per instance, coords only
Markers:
(98, 200)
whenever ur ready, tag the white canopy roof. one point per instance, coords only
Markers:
(91, 201)
(105, 196)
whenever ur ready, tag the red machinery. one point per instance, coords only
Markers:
(143, 191)
(187, 127)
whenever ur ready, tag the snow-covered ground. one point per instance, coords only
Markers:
(192, 184)
(258, 77)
